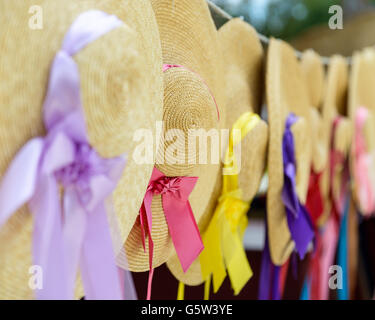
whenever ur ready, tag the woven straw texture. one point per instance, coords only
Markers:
(335, 102)
(188, 38)
(286, 92)
(313, 72)
(243, 58)
(114, 95)
(362, 94)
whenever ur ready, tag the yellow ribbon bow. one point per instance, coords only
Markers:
(224, 251)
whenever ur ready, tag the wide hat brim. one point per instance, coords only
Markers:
(286, 92)
(188, 39)
(121, 90)
(334, 104)
(313, 71)
(362, 94)
(243, 57)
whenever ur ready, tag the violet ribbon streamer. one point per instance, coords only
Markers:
(71, 229)
(299, 222)
(300, 225)
(180, 219)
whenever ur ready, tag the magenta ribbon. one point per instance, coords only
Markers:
(175, 192)
(70, 227)
(362, 164)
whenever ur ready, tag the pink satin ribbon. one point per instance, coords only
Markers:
(362, 165)
(70, 227)
(181, 223)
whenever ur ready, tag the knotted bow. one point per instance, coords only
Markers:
(363, 165)
(70, 227)
(223, 238)
(175, 192)
(299, 222)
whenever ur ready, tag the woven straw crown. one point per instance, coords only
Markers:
(335, 103)
(286, 92)
(120, 88)
(362, 94)
(189, 39)
(243, 59)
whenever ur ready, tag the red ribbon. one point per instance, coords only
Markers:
(181, 223)
(314, 203)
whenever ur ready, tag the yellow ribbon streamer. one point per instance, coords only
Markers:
(224, 251)
(181, 291)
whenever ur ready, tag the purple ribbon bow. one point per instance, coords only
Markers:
(300, 225)
(299, 222)
(70, 224)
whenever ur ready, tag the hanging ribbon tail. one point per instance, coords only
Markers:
(129, 289)
(47, 241)
(100, 276)
(342, 253)
(48, 246)
(238, 266)
(269, 277)
(211, 259)
(301, 230)
(182, 224)
(75, 222)
(298, 218)
(19, 182)
(181, 291)
(145, 215)
(314, 202)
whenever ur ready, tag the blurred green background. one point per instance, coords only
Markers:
(286, 19)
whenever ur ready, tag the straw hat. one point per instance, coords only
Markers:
(189, 39)
(121, 87)
(313, 71)
(286, 92)
(334, 105)
(243, 58)
(362, 94)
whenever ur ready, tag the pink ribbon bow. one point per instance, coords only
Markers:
(181, 223)
(362, 164)
(70, 227)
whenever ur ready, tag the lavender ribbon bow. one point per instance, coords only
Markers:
(70, 227)
(299, 222)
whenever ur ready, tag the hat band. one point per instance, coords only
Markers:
(170, 66)
(77, 233)
(223, 238)
(175, 192)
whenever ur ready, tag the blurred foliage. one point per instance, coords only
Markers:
(286, 18)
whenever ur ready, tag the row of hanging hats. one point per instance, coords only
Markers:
(85, 193)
